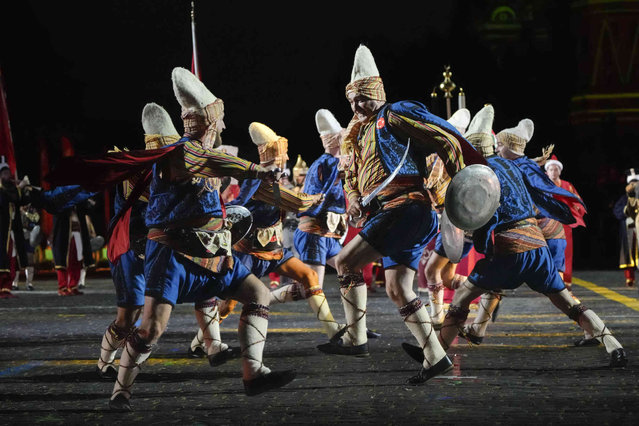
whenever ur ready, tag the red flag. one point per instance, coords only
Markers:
(6, 141)
(66, 147)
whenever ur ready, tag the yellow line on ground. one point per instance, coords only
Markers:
(498, 346)
(630, 302)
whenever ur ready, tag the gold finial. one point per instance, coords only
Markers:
(300, 168)
(433, 94)
(447, 86)
(192, 11)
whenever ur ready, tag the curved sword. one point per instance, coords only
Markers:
(366, 200)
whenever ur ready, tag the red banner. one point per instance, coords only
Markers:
(6, 141)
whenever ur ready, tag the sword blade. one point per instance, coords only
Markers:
(366, 200)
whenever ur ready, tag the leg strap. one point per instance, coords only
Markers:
(575, 312)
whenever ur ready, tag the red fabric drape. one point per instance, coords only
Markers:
(6, 141)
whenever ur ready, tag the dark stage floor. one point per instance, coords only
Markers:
(527, 371)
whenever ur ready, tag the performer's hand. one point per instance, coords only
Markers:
(24, 182)
(268, 174)
(318, 198)
(355, 210)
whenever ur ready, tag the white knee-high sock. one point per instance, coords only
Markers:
(436, 296)
(354, 296)
(418, 322)
(453, 324)
(287, 293)
(28, 274)
(318, 303)
(594, 326)
(211, 333)
(252, 335)
(135, 352)
(487, 305)
(112, 340)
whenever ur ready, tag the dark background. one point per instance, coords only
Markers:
(85, 70)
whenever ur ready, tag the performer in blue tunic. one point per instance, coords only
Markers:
(127, 269)
(262, 250)
(400, 221)
(519, 254)
(188, 252)
(320, 228)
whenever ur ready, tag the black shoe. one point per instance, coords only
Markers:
(586, 342)
(414, 352)
(221, 357)
(272, 380)
(373, 334)
(120, 403)
(197, 353)
(476, 340)
(340, 349)
(618, 358)
(111, 373)
(30, 287)
(444, 365)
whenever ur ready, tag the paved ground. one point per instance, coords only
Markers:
(527, 370)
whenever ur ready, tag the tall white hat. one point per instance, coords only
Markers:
(632, 175)
(273, 149)
(190, 92)
(516, 138)
(364, 64)
(460, 120)
(480, 131)
(326, 123)
(156, 121)
(261, 134)
(482, 122)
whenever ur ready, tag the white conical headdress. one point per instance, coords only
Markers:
(262, 134)
(190, 92)
(524, 129)
(364, 64)
(482, 122)
(156, 121)
(480, 131)
(158, 128)
(460, 120)
(326, 123)
(632, 174)
(516, 138)
(271, 147)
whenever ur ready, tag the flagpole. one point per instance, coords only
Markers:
(196, 65)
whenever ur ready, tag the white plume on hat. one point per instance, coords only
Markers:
(460, 120)
(482, 122)
(524, 129)
(190, 92)
(326, 123)
(364, 64)
(156, 121)
(632, 175)
(261, 134)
